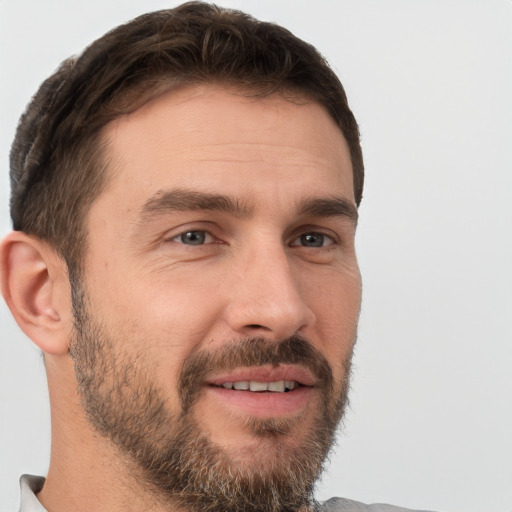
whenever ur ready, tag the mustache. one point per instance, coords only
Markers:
(255, 351)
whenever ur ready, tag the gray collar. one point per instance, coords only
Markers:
(30, 485)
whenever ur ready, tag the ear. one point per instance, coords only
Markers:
(36, 288)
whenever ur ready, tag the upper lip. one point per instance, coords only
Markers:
(266, 373)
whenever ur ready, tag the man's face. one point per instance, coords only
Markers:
(220, 258)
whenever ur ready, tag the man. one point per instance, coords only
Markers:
(184, 199)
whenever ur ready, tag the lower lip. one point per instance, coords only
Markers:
(264, 404)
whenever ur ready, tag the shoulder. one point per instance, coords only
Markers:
(344, 505)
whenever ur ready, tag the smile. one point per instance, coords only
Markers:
(263, 391)
(280, 386)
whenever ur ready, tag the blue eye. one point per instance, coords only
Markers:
(313, 240)
(193, 238)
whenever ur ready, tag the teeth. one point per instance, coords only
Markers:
(290, 384)
(257, 386)
(279, 386)
(276, 386)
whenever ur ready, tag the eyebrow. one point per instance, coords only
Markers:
(189, 200)
(165, 201)
(329, 207)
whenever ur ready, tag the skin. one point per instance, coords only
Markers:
(162, 299)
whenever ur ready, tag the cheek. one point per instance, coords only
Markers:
(336, 301)
(155, 320)
(177, 314)
(181, 301)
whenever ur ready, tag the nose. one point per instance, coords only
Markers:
(266, 299)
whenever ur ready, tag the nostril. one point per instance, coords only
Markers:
(256, 326)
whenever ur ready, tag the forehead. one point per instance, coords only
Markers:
(214, 139)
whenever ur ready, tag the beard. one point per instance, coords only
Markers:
(178, 462)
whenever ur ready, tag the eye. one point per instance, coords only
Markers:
(197, 237)
(312, 240)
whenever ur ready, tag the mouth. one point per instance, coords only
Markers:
(263, 392)
(265, 378)
(278, 386)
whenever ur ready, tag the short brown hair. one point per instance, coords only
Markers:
(57, 160)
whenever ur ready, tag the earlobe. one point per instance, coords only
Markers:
(35, 287)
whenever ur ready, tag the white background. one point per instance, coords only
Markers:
(430, 82)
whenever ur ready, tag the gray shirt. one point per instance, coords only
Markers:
(30, 485)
